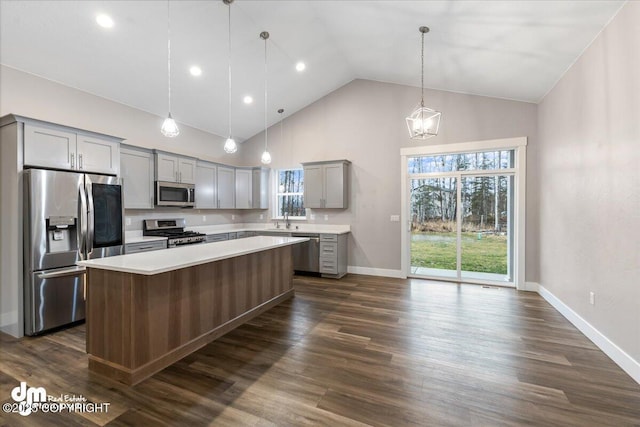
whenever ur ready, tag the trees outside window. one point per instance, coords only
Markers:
(289, 193)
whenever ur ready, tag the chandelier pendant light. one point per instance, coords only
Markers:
(230, 145)
(266, 157)
(423, 122)
(169, 127)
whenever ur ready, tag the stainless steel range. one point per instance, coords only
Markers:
(173, 230)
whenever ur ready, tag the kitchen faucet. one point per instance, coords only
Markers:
(287, 224)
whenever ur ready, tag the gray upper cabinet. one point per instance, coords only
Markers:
(175, 168)
(58, 147)
(98, 155)
(244, 194)
(136, 170)
(226, 186)
(206, 185)
(260, 188)
(326, 184)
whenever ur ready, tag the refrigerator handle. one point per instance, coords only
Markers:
(90, 221)
(82, 218)
(71, 271)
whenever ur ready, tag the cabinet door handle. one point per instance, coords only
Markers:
(180, 176)
(80, 163)
(72, 160)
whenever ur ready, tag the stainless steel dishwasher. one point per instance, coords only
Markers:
(306, 256)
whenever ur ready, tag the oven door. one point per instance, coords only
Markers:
(174, 194)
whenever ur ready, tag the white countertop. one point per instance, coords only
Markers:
(302, 228)
(155, 262)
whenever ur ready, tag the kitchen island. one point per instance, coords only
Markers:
(145, 311)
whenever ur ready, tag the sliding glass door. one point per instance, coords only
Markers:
(486, 228)
(433, 226)
(461, 216)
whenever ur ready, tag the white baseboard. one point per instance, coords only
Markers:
(619, 356)
(382, 272)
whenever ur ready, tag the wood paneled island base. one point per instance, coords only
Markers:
(139, 324)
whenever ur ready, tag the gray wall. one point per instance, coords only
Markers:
(363, 121)
(589, 174)
(31, 96)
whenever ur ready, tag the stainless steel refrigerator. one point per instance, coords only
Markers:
(68, 217)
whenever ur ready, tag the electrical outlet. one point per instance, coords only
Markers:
(592, 298)
(312, 216)
(395, 218)
(204, 218)
(233, 217)
(261, 216)
(326, 217)
(127, 221)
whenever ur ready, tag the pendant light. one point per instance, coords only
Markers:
(423, 122)
(230, 145)
(169, 127)
(266, 157)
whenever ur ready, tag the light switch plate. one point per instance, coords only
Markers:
(326, 217)
(233, 217)
(204, 218)
(395, 218)
(261, 216)
(127, 221)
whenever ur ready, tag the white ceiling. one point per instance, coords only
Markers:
(507, 49)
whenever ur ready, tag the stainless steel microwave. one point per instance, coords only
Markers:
(175, 194)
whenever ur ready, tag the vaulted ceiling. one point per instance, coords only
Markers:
(508, 49)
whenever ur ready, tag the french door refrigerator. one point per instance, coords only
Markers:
(68, 217)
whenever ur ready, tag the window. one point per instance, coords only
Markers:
(487, 160)
(289, 193)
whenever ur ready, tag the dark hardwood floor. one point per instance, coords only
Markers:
(356, 351)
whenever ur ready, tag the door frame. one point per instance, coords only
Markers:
(519, 145)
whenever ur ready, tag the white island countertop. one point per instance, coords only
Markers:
(155, 262)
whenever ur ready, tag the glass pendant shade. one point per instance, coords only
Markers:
(169, 127)
(266, 157)
(230, 146)
(423, 123)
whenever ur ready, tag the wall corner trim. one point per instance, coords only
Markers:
(619, 356)
(381, 272)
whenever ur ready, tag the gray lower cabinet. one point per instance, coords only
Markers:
(136, 170)
(333, 255)
(217, 237)
(229, 236)
(132, 248)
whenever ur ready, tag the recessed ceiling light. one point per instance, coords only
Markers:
(195, 71)
(300, 66)
(104, 21)
(247, 100)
